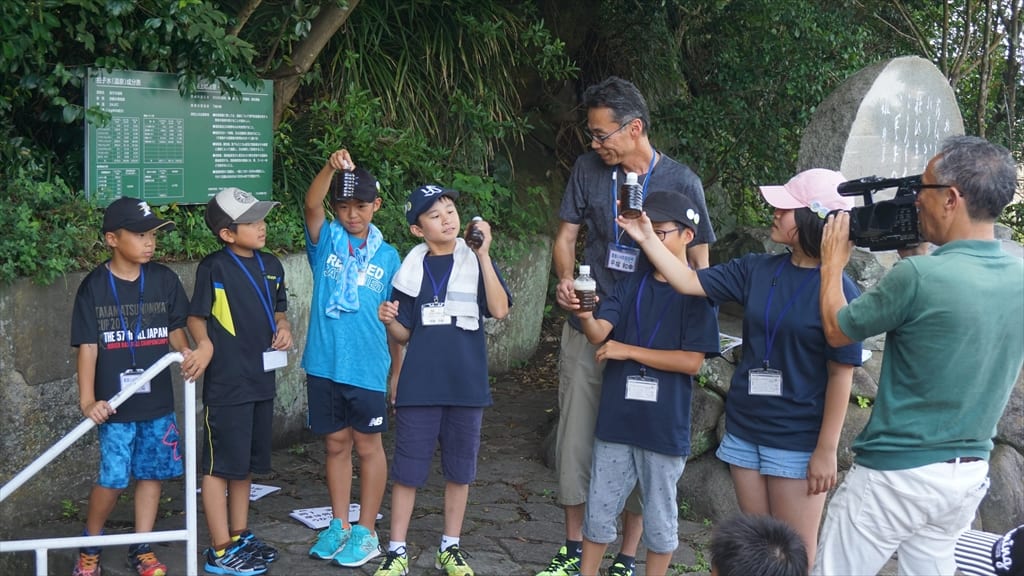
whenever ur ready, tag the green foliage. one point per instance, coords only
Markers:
(1013, 217)
(69, 509)
(401, 159)
(48, 230)
(863, 401)
(701, 565)
(754, 70)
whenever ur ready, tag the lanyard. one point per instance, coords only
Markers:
(264, 299)
(661, 315)
(770, 338)
(358, 253)
(437, 285)
(615, 189)
(129, 335)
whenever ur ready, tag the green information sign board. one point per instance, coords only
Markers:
(163, 148)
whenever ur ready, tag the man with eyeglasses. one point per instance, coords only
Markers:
(617, 125)
(954, 347)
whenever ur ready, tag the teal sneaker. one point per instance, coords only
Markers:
(562, 564)
(362, 546)
(330, 541)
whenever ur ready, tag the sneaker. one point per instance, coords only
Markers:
(362, 546)
(394, 564)
(142, 559)
(330, 541)
(620, 569)
(258, 548)
(451, 560)
(87, 565)
(236, 561)
(562, 564)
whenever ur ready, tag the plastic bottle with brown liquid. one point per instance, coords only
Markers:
(586, 289)
(474, 237)
(631, 197)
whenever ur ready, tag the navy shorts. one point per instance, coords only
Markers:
(237, 440)
(334, 406)
(145, 450)
(418, 431)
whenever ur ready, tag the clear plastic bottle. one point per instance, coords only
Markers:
(631, 197)
(474, 237)
(586, 289)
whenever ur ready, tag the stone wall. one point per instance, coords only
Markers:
(39, 391)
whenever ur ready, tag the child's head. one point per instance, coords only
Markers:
(236, 218)
(801, 206)
(355, 198)
(432, 214)
(129, 228)
(757, 546)
(674, 218)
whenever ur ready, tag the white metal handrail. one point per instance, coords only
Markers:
(189, 534)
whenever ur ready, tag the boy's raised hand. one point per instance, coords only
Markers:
(341, 160)
(639, 229)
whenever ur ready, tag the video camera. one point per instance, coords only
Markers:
(889, 224)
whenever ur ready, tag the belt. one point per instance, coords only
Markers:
(964, 460)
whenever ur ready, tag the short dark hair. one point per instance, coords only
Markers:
(809, 228)
(984, 173)
(757, 546)
(621, 97)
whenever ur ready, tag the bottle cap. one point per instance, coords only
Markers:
(631, 178)
(477, 219)
(584, 270)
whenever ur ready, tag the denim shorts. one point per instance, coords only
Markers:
(765, 459)
(146, 450)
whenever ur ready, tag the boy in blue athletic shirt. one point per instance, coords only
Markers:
(441, 295)
(348, 355)
(238, 310)
(654, 340)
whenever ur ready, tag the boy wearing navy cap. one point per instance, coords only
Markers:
(441, 295)
(654, 340)
(126, 312)
(238, 320)
(348, 358)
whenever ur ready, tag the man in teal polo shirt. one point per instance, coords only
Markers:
(954, 347)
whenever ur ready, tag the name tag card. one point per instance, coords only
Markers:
(641, 388)
(622, 258)
(128, 377)
(274, 359)
(433, 315)
(765, 382)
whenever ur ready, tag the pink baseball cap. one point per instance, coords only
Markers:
(815, 189)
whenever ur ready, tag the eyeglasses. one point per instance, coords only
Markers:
(662, 234)
(600, 139)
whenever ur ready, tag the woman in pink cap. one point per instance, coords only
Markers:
(788, 397)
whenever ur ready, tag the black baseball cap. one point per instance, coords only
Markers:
(357, 183)
(134, 215)
(664, 206)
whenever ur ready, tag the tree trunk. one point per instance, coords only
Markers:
(304, 54)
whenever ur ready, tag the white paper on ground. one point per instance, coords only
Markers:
(319, 518)
(256, 491)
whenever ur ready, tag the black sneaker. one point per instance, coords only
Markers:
(258, 548)
(236, 561)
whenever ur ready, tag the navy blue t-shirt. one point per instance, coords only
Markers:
(444, 365)
(791, 421)
(668, 320)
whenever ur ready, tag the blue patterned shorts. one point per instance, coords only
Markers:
(146, 450)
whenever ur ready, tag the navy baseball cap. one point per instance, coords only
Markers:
(662, 206)
(132, 214)
(422, 198)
